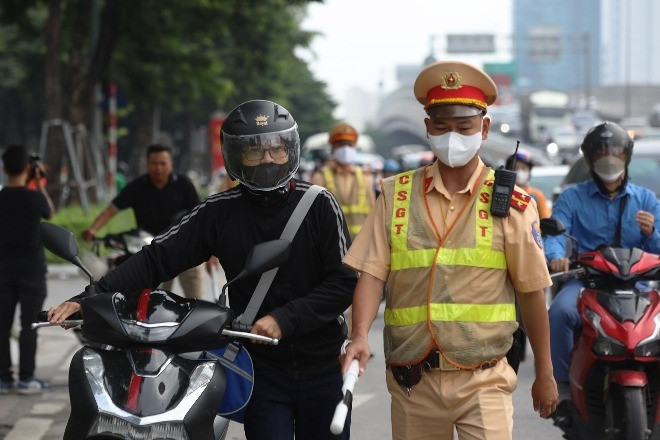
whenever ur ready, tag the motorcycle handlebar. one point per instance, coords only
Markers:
(42, 321)
(43, 316)
(578, 271)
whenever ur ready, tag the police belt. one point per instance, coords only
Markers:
(410, 375)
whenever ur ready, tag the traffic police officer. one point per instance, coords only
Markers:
(348, 182)
(452, 269)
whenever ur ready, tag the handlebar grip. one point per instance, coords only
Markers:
(43, 316)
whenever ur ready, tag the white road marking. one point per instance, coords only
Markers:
(29, 428)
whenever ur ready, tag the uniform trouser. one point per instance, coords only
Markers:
(191, 282)
(283, 408)
(477, 403)
(30, 292)
(564, 319)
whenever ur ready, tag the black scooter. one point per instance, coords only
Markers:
(142, 376)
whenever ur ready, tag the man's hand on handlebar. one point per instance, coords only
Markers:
(266, 326)
(57, 314)
(559, 265)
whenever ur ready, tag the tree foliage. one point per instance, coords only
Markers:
(184, 58)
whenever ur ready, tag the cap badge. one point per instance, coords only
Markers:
(451, 81)
(261, 120)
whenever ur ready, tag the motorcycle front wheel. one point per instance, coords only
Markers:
(630, 418)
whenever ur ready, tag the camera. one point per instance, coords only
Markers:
(34, 163)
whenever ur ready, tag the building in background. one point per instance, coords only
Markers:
(556, 45)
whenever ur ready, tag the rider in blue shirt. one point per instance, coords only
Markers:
(592, 212)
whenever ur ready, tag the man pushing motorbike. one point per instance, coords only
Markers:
(297, 383)
(606, 210)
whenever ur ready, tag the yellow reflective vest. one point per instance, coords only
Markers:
(453, 292)
(356, 205)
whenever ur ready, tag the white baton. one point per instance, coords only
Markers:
(350, 378)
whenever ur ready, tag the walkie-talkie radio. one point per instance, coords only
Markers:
(503, 188)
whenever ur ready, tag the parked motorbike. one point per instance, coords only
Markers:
(149, 380)
(122, 245)
(614, 372)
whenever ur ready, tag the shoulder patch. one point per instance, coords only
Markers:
(519, 200)
(536, 233)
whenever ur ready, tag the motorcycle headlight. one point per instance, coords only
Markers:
(608, 347)
(106, 424)
(650, 346)
(651, 349)
(604, 344)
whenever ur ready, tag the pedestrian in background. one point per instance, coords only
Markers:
(22, 266)
(453, 270)
(157, 198)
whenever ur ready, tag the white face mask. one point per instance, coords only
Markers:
(609, 168)
(522, 177)
(345, 155)
(455, 149)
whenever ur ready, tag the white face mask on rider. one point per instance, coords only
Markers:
(455, 149)
(345, 154)
(609, 168)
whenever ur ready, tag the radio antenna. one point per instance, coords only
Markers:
(515, 155)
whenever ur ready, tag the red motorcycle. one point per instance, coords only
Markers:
(614, 371)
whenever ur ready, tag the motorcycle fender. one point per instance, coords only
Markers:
(629, 378)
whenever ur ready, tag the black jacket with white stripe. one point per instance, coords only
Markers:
(309, 291)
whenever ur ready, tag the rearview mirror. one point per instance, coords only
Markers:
(59, 241)
(552, 226)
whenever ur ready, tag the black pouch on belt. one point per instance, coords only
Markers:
(514, 354)
(408, 375)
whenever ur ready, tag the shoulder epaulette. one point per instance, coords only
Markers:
(519, 200)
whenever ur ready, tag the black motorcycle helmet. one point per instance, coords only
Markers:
(249, 130)
(606, 135)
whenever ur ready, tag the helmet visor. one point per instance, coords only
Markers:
(264, 161)
(607, 149)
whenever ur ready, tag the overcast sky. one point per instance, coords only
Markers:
(363, 41)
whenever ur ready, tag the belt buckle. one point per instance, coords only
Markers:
(488, 364)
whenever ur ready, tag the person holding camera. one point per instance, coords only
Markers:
(22, 266)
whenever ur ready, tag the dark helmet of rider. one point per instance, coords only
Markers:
(260, 145)
(607, 148)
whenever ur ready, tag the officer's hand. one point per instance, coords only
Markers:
(358, 348)
(60, 313)
(88, 235)
(559, 265)
(545, 395)
(266, 326)
(645, 220)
